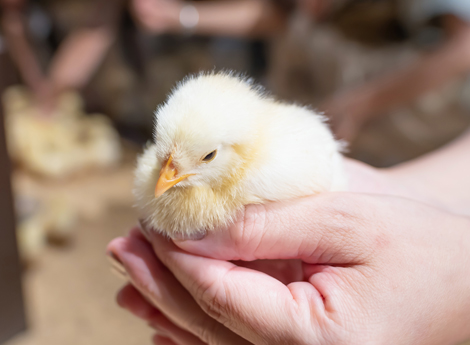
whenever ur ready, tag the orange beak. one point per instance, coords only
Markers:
(167, 178)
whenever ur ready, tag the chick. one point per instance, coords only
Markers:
(61, 144)
(222, 143)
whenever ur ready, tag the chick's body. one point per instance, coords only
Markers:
(231, 145)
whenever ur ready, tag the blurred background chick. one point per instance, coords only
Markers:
(80, 80)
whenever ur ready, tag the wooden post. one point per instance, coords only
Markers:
(12, 315)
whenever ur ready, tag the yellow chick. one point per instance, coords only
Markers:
(222, 143)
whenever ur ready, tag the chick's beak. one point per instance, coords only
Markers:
(167, 178)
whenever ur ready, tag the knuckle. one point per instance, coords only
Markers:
(346, 211)
(208, 332)
(356, 222)
(346, 216)
(211, 297)
(249, 231)
(212, 300)
(208, 324)
(208, 328)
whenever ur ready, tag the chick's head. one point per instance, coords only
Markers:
(206, 132)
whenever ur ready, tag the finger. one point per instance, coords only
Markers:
(161, 340)
(137, 232)
(252, 304)
(168, 329)
(159, 286)
(131, 299)
(323, 229)
(286, 271)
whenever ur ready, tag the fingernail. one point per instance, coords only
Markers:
(194, 236)
(121, 275)
(119, 299)
(117, 268)
(115, 261)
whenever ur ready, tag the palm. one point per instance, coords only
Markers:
(286, 271)
(362, 179)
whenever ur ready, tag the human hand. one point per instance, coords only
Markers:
(157, 16)
(375, 269)
(159, 298)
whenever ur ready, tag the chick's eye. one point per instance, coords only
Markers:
(210, 156)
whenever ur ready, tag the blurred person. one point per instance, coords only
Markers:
(245, 18)
(17, 43)
(77, 58)
(306, 66)
(449, 60)
(180, 291)
(71, 68)
(386, 262)
(261, 18)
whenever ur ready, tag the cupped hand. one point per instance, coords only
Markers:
(159, 298)
(375, 270)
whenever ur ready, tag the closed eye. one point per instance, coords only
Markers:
(210, 157)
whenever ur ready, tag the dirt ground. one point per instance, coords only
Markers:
(70, 291)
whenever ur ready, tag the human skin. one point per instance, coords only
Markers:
(357, 268)
(70, 68)
(439, 178)
(350, 109)
(375, 269)
(241, 18)
(12, 23)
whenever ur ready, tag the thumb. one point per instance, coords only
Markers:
(323, 229)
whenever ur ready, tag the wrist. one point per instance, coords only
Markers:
(386, 181)
(415, 185)
(441, 175)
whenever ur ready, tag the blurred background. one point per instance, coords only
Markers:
(80, 79)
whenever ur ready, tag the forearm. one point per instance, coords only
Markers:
(71, 68)
(427, 73)
(21, 51)
(350, 109)
(239, 18)
(81, 53)
(443, 175)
